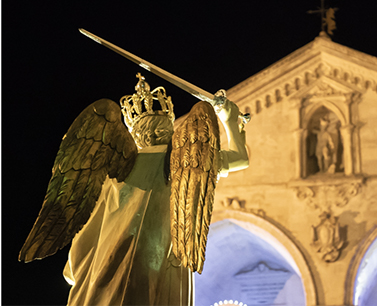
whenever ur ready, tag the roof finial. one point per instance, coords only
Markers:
(327, 21)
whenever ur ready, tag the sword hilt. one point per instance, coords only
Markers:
(219, 101)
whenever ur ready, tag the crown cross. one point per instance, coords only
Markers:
(140, 104)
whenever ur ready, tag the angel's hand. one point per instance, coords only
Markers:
(229, 112)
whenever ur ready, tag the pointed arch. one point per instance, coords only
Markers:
(330, 106)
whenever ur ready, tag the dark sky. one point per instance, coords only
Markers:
(50, 73)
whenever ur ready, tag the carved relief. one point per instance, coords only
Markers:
(242, 205)
(325, 196)
(326, 237)
(325, 90)
(346, 192)
(233, 203)
(306, 194)
(322, 69)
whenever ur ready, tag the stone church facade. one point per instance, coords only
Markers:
(310, 191)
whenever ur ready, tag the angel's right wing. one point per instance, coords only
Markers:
(96, 145)
(194, 169)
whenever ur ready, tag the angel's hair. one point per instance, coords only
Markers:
(152, 130)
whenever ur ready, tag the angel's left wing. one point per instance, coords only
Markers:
(194, 169)
(96, 145)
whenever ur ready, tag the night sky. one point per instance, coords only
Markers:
(51, 72)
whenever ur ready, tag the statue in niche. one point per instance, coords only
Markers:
(326, 237)
(325, 148)
(324, 143)
(137, 201)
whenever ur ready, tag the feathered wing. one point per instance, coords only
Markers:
(96, 145)
(194, 169)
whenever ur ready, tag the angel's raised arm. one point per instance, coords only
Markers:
(235, 158)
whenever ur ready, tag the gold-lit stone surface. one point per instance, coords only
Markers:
(283, 188)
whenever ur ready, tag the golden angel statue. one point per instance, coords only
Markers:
(135, 201)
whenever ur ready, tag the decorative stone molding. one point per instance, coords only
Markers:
(304, 79)
(346, 192)
(326, 90)
(325, 196)
(302, 68)
(323, 192)
(306, 194)
(241, 205)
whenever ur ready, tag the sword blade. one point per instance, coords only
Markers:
(197, 92)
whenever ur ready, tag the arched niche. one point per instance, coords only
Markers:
(361, 280)
(320, 104)
(276, 244)
(337, 114)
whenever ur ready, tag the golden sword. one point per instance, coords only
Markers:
(215, 100)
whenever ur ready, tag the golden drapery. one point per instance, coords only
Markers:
(121, 256)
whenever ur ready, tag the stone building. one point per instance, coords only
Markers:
(299, 226)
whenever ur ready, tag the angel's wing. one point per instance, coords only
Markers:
(194, 169)
(96, 145)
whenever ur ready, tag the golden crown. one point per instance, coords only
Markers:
(140, 104)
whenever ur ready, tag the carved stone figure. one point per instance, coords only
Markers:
(137, 207)
(326, 237)
(325, 148)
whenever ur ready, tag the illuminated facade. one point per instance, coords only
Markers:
(299, 225)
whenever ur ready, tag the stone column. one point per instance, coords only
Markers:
(300, 149)
(346, 133)
(295, 105)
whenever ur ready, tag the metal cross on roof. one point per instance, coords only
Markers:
(327, 21)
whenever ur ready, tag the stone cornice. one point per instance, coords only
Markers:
(311, 54)
(294, 84)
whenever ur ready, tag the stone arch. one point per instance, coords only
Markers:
(356, 261)
(330, 106)
(279, 240)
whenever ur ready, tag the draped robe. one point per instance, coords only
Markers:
(122, 255)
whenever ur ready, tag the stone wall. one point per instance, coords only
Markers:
(326, 214)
